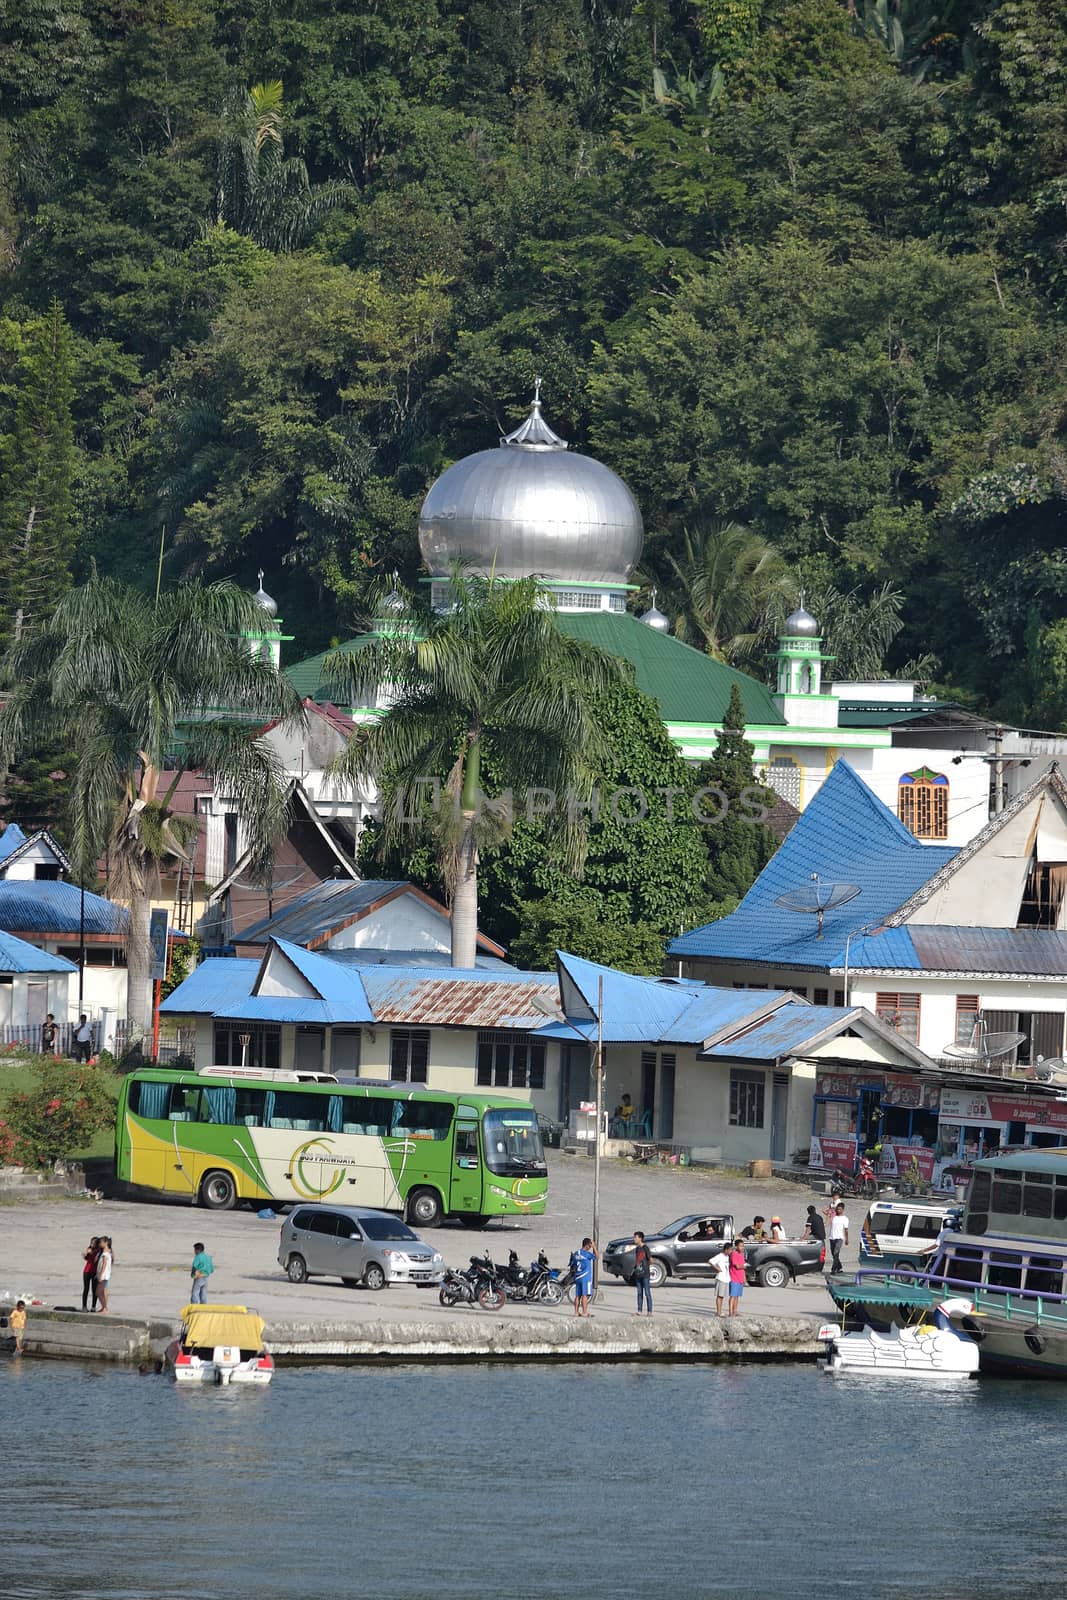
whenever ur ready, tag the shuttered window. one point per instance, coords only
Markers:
(901, 1011)
(922, 803)
(966, 1017)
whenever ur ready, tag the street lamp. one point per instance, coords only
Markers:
(598, 1068)
(855, 933)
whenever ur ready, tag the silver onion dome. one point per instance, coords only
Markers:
(532, 508)
(393, 603)
(655, 618)
(800, 624)
(263, 599)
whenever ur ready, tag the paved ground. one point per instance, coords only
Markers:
(43, 1240)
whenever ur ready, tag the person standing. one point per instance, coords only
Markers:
(721, 1267)
(18, 1325)
(200, 1272)
(737, 1276)
(838, 1235)
(583, 1260)
(642, 1273)
(90, 1259)
(104, 1263)
(49, 1035)
(83, 1039)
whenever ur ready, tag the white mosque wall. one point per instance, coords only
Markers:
(968, 783)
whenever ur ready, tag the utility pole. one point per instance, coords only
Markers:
(997, 737)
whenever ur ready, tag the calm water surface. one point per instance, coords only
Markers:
(529, 1482)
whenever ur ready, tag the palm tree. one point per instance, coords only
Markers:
(142, 694)
(729, 577)
(493, 687)
(261, 191)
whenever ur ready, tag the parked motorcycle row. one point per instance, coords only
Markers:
(488, 1284)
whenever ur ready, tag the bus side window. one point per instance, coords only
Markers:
(185, 1105)
(466, 1144)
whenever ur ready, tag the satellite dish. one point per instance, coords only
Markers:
(984, 1046)
(815, 898)
(1051, 1070)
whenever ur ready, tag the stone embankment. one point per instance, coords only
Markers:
(475, 1337)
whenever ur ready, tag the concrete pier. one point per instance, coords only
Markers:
(478, 1336)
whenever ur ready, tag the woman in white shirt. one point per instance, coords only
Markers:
(103, 1272)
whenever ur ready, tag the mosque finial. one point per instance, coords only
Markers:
(261, 577)
(537, 391)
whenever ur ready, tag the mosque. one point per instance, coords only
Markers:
(532, 506)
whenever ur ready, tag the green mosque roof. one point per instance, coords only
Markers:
(687, 685)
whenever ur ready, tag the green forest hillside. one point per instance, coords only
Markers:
(267, 266)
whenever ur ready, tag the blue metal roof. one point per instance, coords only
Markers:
(786, 1032)
(319, 910)
(640, 1010)
(1013, 952)
(846, 835)
(11, 840)
(50, 906)
(415, 958)
(215, 983)
(341, 988)
(18, 956)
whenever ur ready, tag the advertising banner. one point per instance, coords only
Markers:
(1036, 1111)
(914, 1094)
(827, 1152)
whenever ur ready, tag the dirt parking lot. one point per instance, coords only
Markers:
(43, 1240)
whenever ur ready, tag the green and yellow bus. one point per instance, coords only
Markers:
(225, 1134)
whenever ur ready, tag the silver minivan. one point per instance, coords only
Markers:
(357, 1245)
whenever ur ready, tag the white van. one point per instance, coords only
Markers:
(902, 1233)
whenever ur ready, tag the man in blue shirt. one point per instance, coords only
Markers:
(583, 1260)
(200, 1272)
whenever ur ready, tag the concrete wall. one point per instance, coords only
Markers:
(405, 923)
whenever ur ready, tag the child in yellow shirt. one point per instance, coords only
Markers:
(18, 1325)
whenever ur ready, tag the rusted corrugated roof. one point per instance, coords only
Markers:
(459, 999)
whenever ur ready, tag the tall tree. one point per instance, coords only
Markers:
(262, 191)
(142, 692)
(739, 845)
(728, 578)
(492, 686)
(36, 470)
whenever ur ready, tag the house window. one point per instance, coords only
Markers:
(922, 803)
(966, 1018)
(821, 997)
(409, 1054)
(901, 1011)
(746, 1098)
(264, 1046)
(1043, 894)
(509, 1061)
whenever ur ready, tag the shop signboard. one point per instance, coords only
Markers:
(990, 1110)
(915, 1094)
(827, 1151)
(846, 1085)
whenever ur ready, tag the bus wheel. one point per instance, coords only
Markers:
(425, 1208)
(473, 1219)
(218, 1192)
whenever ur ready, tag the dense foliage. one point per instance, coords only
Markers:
(67, 1105)
(800, 264)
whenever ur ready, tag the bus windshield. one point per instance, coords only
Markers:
(513, 1142)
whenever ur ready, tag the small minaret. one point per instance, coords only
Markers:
(266, 642)
(798, 689)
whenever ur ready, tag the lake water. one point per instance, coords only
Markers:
(625, 1481)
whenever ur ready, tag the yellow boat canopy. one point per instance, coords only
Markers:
(216, 1324)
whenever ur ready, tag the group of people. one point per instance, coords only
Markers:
(96, 1273)
(83, 1037)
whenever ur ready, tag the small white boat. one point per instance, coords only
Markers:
(932, 1346)
(222, 1345)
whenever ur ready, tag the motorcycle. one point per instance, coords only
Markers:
(864, 1181)
(477, 1285)
(536, 1284)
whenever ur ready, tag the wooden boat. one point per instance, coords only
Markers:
(222, 1345)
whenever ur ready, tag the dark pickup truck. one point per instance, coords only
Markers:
(683, 1249)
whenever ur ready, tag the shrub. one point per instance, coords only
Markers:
(67, 1106)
